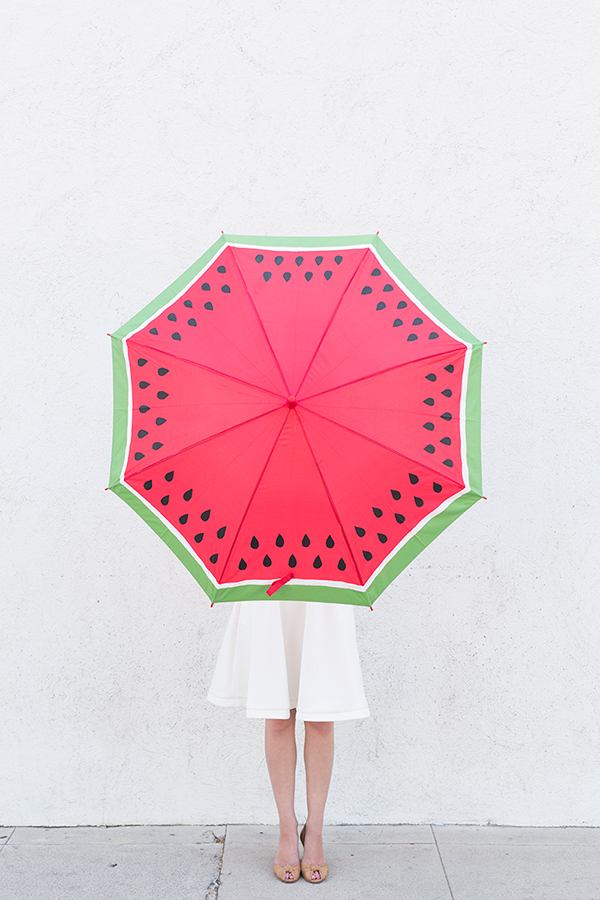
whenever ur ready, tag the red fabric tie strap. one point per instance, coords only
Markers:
(279, 583)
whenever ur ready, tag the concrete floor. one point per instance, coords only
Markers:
(234, 862)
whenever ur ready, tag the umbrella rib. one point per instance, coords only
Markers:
(335, 512)
(384, 446)
(192, 362)
(258, 481)
(329, 324)
(408, 362)
(204, 440)
(260, 322)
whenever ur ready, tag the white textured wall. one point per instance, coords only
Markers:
(467, 133)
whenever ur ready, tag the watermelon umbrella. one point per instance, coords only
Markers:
(296, 414)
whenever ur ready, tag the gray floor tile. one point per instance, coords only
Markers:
(339, 834)
(507, 834)
(377, 872)
(95, 871)
(5, 834)
(121, 834)
(522, 872)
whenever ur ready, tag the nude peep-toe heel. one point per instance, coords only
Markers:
(308, 870)
(282, 871)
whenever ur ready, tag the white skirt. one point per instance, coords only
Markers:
(282, 655)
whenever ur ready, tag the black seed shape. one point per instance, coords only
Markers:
(162, 371)
(287, 276)
(242, 564)
(402, 305)
(266, 275)
(142, 362)
(144, 409)
(388, 287)
(382, 537)
(380, 305)
(430, 401)
(306, 541)
(187, 303)
(446, 416)
(396, 494)
(169, 476)
(433, 335)
(412, 337)
(266, 560)
(142, 433)
(367, 290)
(144, 384)
(431, 377)
(176, 336)
(254, 543)
(338, 259)
(399, 518)
(414, 479)
(360, 531)
(259, 257)
(205, 516)
(162, 395)
(437, 487)
(429, 426)
(377, 512)
(279, 541)
(172, 317)
(206, 286)
(328, 274)
(292, 562)
(318, 260)
(160, 421)
(429, 448)
(449, 463)
(198, 537)
(376, 272)
(192, 322)
(221, 269)
(299, 260)
(447, 392)
(418, 501)
(208, 306)
(317, 562)
(156, 445)
(341, 565)
(397, 322)
(226, 289)
(188, 494)
(417, 321)
(221, 532)
(147, 485)
(153, 331)
(330, 542)
(449, 369)
(308, 275)
(183, 519)
(164, 500)
(446, 441)
(367, 555)
(214, 558)
(278, 260)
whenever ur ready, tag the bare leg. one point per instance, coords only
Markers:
(318, 758)
(280, 752)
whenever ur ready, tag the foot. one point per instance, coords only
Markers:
(287, 852)
(313, 856)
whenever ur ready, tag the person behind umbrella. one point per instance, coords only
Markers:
(286, 661)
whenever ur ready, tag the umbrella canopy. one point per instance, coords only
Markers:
(296, 414)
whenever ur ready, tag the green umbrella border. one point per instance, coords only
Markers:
(429, 529)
